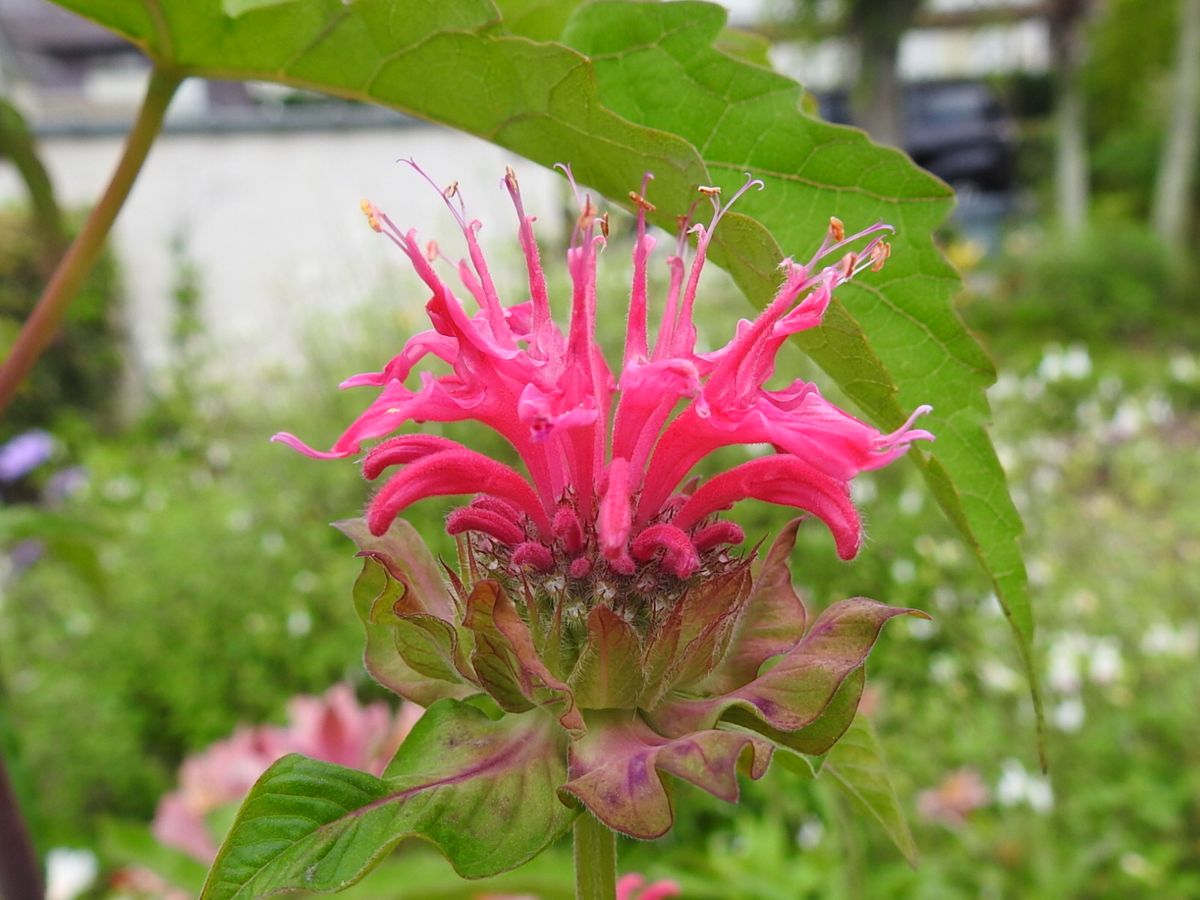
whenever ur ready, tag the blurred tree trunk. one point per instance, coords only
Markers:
(1172, 210)
(878, 28)
(1071, 162)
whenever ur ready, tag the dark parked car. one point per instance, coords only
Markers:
(958, 130)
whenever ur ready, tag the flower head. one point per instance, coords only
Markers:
(600, 584)
(605, 498)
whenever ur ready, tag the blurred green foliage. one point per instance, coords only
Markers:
(82, 368)
(226, 594)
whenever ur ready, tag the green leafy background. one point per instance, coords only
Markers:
(634, 87)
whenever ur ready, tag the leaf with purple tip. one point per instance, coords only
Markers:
(795, 691)
(617, 769)
(481, 790)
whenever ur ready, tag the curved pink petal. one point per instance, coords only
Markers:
(785, 480)
(472, 518)
(616, 512)
(404, 449)
(416, 348)
(716, 534)
(453, 472)
(679, 553)
(534, 555)
(567, 530)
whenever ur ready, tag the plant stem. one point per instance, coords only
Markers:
(20, 876)
(43, 322)
(595, 859)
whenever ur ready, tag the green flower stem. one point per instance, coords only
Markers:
(595, 859)
(43, 322)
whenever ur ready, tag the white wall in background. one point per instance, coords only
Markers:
(272, 221)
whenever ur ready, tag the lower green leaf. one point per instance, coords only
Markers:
(858, 766)
(482, 791)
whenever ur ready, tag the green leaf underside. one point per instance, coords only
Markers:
(506, 661)
(482, 791)
(608, 673)
(651, 94)
(375, 593)
(858, 766)
(772, 623)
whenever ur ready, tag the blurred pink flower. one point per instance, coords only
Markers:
(960, 793)
(332, 727)
(607, 457)
(634, 887)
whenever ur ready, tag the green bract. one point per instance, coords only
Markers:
(593, 716)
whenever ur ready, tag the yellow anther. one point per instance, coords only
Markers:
(836, 229)
(641, 202)
(371, 213)
(588, 215)
(846, 265)
(451, 190)
(604, 225)
(709, 191)
(879, 255)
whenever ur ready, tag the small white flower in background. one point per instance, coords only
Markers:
(69, 872)
(1183, 368)
(299, 622)
(1065, 657)
(1073, 363)
(810, 833)
(999, 677)
(1163, 639)
(1068, 716)
(1105, 663)
(1016, 786)
(904, 571)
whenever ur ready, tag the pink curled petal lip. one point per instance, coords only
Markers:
(453, 472)
(679, 553)
(404, 449)
(787, 481)
(295, 443)
(473, 518)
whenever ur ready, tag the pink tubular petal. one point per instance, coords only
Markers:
(453, 472)
(416, 348)
(785, 480)
(534, 555)
(295, 443)
(541, 321)
(404, 449)
(679, 556)
(718, 533)
(616, 511)
(497, 506)
(472, 518)
(567, 530)
(580, 567)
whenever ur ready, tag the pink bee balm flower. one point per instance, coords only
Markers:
(598, 586)
(605, 497)
(333, 727)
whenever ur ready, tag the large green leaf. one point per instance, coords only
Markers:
(892, 341)
(642, 88)
(482, 791)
